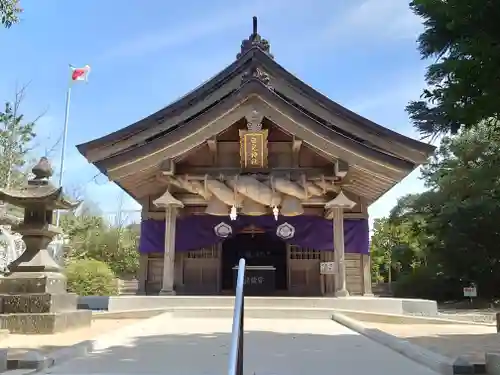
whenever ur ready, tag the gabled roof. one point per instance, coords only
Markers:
(255, 78)
(255, 54)
(252, 93)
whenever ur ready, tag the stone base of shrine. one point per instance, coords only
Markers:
(45, 323)
(261, 307)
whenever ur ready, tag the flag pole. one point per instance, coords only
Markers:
(63, 148)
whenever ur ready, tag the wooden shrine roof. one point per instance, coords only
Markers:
(256, 80)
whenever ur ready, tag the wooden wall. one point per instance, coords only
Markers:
(199, 272)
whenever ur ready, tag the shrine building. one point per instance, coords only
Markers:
(255, 163)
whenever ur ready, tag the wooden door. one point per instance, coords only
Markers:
(304, 277)
(154, 275)
(354, 276)
(202, 271)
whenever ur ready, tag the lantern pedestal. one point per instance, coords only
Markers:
(37, 303)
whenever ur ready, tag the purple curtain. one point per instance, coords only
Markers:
(197, 231)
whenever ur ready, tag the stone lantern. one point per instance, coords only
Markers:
(33, 294)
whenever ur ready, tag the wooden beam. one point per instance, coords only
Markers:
(196, 200)
(341, 168)
(212, 145)
(347, 215)
(296, 146)
(292, 173)
(358, 181)
(167, 167)
(160, 215)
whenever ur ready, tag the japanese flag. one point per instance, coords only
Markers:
(80, 74)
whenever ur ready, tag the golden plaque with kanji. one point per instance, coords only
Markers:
(253, 148)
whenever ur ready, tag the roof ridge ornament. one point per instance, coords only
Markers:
(254, 121)
(256, 73)
(255, 40)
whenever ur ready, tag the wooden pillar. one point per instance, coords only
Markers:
(167, 285)
(171, 205)
(339, 247)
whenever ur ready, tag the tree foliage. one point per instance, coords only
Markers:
(91, 238)
(463, 38)
(16, 136)
(10, 11)
(450, 231)
(446, 238)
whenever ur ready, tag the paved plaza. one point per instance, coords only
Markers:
(177, 346)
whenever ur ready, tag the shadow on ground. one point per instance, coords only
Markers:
(470, 346)
(265, 353)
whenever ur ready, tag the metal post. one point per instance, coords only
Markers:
(63, 148)
(498, 321)
(236, 352)
(239, 370)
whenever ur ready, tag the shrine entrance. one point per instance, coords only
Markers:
(266, 261)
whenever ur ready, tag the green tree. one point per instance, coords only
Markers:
(16, 136)
(463, 38)
(10, 11)
(81, 227)
(387, 240)
(91, 238)
(451, 230)
(463, 207)
(412, 226)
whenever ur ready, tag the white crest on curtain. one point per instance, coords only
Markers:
(223, 230)
(285, 231)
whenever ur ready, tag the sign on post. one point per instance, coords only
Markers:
(327, 268)
(470, 291)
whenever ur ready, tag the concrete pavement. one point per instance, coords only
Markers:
(176, 346)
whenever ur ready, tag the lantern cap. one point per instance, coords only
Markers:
(340, 201)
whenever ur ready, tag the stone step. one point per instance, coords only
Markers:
(252, 312)
(129, 287)
(120, 302)
(380, 305)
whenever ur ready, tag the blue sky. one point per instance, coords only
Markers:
(146, 54)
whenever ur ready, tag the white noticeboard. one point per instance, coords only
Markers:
(327, 268)
(470, 291)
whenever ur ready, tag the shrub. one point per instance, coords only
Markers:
(425, 283)
(90, 277)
